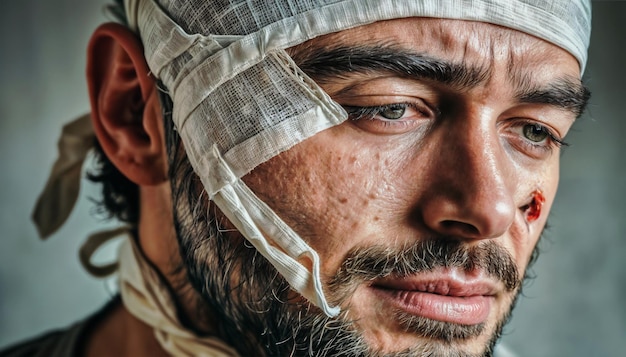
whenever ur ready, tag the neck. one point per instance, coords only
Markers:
(157, 240)
(121, 334)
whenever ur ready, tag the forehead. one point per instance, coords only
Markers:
(476, 44)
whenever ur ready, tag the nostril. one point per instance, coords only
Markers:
(459, 228)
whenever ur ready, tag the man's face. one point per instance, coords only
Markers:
(417, 205)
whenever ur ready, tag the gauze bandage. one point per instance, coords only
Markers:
(147, 297)
(239, 99)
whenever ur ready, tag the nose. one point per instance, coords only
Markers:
(468, 191)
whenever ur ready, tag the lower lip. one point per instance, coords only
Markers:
(469, 310)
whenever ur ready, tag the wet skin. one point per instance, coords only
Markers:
(427, 158)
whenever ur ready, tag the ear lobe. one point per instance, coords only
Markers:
(125, 109)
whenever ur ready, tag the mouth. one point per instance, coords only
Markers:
(450, 296)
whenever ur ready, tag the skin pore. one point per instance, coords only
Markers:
(416, 204)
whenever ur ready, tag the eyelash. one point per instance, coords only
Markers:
(372, 112)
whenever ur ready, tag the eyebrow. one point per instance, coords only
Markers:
(565, 93)
(326, 64)
(329, 63)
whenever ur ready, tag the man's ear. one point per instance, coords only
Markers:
(125, 108)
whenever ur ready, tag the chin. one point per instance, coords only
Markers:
(409, 344)
(400, 344)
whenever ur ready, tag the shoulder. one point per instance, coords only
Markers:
(66, 342)
(52, 344)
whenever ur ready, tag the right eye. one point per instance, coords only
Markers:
(392, 111)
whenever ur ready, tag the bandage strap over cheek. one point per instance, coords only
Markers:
(280, 245)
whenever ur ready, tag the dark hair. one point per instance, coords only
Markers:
(120, 196)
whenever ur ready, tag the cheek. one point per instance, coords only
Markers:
(333, 198)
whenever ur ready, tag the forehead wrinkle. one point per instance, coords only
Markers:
(484, 45)
(465, 44)
(485, 69)
(520, 79)
(471, 54)
(477, 49)
(498, 47)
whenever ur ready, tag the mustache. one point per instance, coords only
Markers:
(375, 262)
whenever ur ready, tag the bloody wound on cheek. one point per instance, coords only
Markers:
(533, 209)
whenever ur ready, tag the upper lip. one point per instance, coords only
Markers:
(448, 282)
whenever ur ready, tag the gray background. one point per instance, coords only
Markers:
(575, 306)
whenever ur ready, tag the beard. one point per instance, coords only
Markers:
(254, 310)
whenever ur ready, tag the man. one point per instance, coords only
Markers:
(357, 178)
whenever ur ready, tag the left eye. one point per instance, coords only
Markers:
(535, 132)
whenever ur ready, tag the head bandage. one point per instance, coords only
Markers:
(239, 99)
